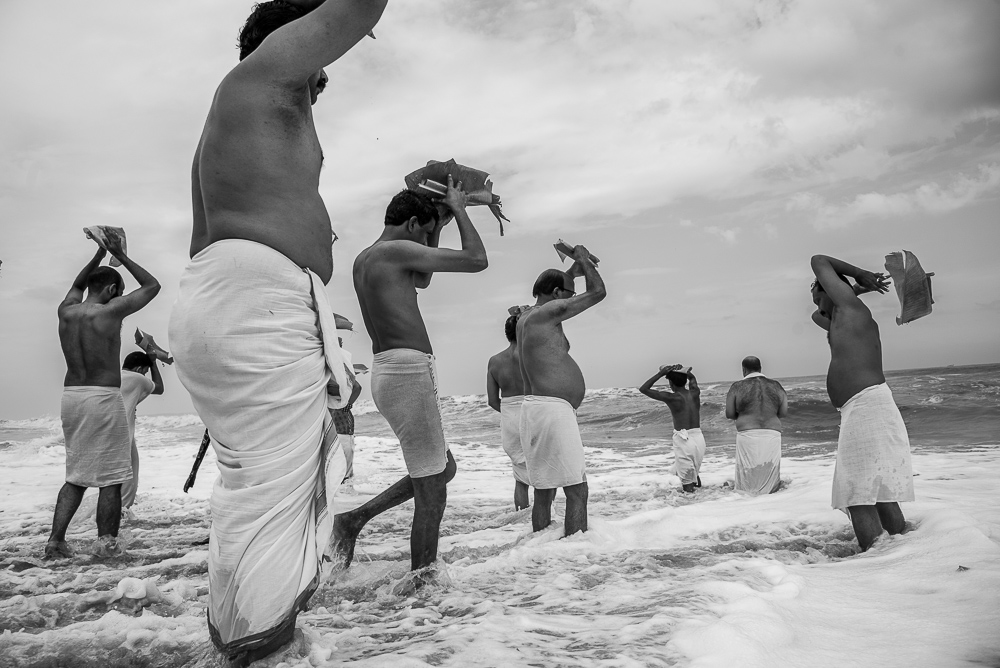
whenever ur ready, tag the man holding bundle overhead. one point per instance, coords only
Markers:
(873, 472)
(554, 389)
(684, 402)
(253, 333)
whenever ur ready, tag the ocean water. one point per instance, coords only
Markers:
(660, 579)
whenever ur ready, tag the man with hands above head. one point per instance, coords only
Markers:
(684, 402)
(873, 472)
(553, 391)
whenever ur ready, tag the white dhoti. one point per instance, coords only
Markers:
(758, 461)
(510, 436)
(553, 449)
(255, 343)
(873, 451)
(689, 449)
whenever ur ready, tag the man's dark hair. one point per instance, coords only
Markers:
(510, 328)
(135, 361)
(406, 204)
(751, 363)
(677, 378)
(265, 18)
(547, 281)
(102, 277)
(819, 286)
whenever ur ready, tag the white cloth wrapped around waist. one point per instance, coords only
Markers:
(95, 427)
(689, 450)
(510, 436)
(873, 451)
(550, 436)
(758, 460)
(255, 345)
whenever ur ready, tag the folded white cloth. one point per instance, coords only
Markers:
(95, 428)
(553, 449)
(256, 347)
(689, 449)
(913, 286)
(873, 451)
(510, 436)
(99, 233)
(758, 460)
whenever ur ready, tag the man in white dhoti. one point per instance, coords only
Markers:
(873, 472)
(93, 414)
(554, 389)
(253, 334)
(505, 393)
(684, 402)
(135, 388)
(757, 403)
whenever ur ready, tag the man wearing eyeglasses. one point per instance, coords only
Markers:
(554, 388)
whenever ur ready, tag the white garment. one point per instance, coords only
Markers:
(758, 460)
(135, 388)
(255, 345)
(689, 449)
(553, 449)
(510, 436)
(873, 451)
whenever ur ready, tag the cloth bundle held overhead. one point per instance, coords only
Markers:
(913, 286)
(146, 342)
(100, 233)
(256, 347)
(433, 177)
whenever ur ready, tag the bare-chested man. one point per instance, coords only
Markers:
(873, 470)
(387, 275)
(684, 402)
(757, 403)
(252, 330)
(554, 389)
(94, 419)
(505, 393)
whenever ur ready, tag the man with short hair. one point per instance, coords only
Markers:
(757, 403)
(684, 402)
(404, 386)
(873, 472)
(135, 388)
(94, 419)
(554, 389)
(252, 330)
(505, 393)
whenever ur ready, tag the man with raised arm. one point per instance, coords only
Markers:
(94, 420)
(505, 393)
(135, 388)
(757, 403)
(252, 330)
(684, 402)
(387, 275)
(553, 391)
(873, 472)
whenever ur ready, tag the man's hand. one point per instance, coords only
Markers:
(667, 369)
(868, 281)
(115, 244)
(455, 199)
(581, 254)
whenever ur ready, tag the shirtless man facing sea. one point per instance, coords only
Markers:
(757, 403)
(387, 275)
(505, 394)
(684, 402)
(554, 389)
(94, 418)
(873, 471)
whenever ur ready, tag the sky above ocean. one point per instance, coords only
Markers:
(704, 151)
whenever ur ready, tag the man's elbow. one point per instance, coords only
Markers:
(479, 263)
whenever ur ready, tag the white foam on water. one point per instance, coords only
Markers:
(661, 578)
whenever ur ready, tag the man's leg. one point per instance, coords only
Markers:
(576, 507)
(867, 526)
(67, 504)
(430, 496)
(109, 511)
(520, 495)
(347, 526)
(891, 517)
(130, 487)
(541, 512)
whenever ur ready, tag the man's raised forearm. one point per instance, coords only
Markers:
(471, 241)
(648, 385)
(80, 283)
(594, 282)
(154, 372)
(144, 278)
(839, 266)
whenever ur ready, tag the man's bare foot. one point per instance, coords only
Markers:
(58, 549)
(108, 546)
(344, 538)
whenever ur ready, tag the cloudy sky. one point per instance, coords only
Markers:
(703, 150)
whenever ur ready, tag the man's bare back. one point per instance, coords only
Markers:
(684, 402)
(256, 169)
(757, 403)
(505, 369)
